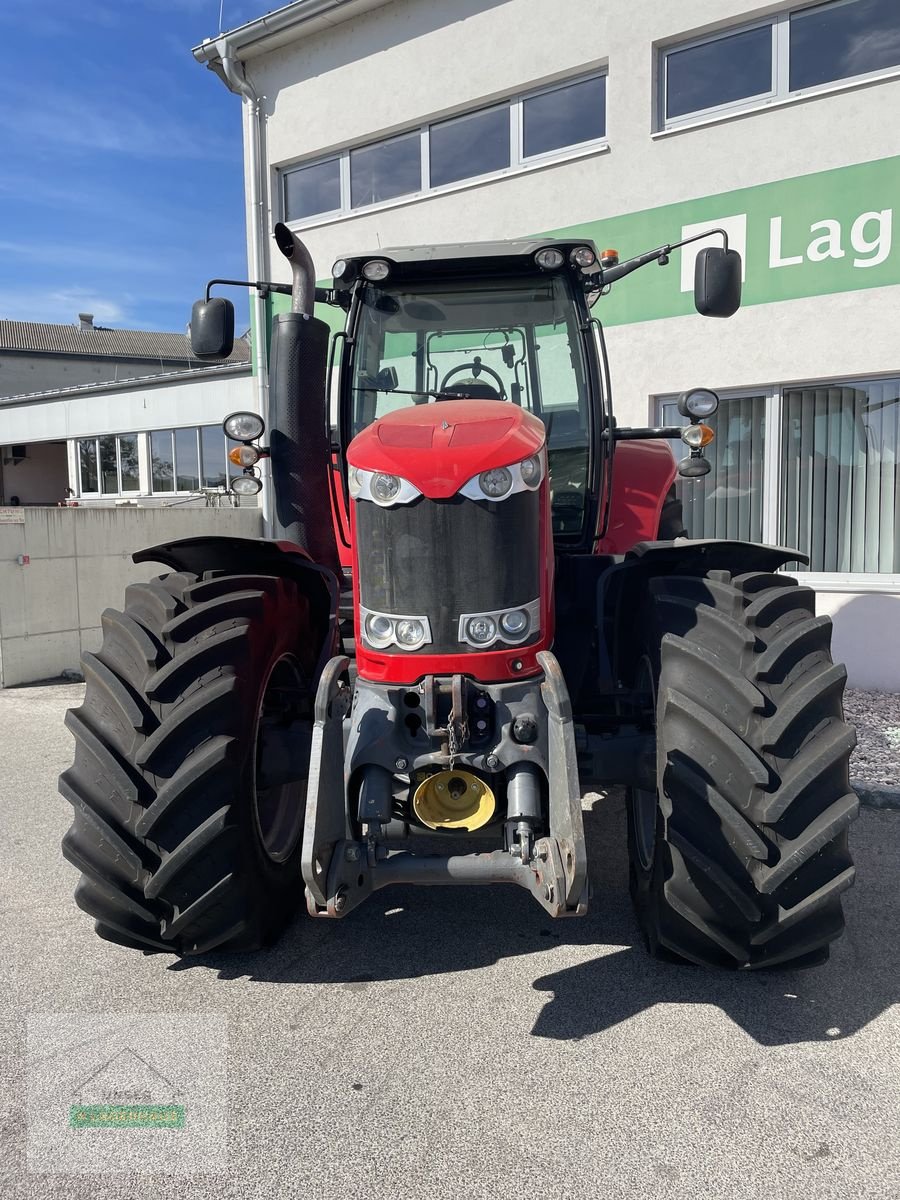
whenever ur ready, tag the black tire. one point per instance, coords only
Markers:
(169, 822)
(740, 857)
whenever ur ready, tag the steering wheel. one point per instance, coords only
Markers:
(475, 368)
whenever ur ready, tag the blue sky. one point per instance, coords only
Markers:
(120, 161)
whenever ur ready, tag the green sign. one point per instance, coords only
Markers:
(831, 231)
(805, 236)
(126, 1116)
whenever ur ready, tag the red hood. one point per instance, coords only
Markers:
(440, 446)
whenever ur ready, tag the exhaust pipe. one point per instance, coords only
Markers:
(303, 284)
(299, 419)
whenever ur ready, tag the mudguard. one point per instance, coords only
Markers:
(622, 588)
(262, 556)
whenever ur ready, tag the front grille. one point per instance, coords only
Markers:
(441, 558)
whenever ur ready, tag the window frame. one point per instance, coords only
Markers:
(229, 469)
(824, 581)
(518, 162)
(343, 183)
(780, 93)
(99, 494)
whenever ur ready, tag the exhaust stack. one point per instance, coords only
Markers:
(298, 414)
(303, 285)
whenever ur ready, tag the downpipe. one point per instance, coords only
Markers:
(237, 81)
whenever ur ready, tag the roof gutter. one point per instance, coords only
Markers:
(284, 24)
(234, 75)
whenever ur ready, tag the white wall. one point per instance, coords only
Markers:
(80, 564)
(866, 637)
(393, 67)
(166, 403)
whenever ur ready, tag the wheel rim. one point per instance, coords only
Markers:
(644, 804)
(279, 809)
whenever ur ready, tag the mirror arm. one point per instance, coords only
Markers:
(323, 295)
(660, 255)
(640, 433)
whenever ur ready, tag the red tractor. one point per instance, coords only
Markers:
(480, 600)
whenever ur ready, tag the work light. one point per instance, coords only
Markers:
(244, 426)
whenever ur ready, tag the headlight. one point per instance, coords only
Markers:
(495, 483)
(246, 485)
(499, 482)
(385, 488)
(515, 623)
(340, 268)
(376, 270)
(550, 259)
(381, 487)
(583, 256)
(244, 426)
(697, 404)
(509, 625)
(531, 471)
(410, 632)
(381, 630)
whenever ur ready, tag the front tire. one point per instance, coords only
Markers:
(740, 857)
(181, 844)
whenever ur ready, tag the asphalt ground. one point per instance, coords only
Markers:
(445, 1042)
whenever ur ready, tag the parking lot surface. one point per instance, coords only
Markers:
(456, 1042)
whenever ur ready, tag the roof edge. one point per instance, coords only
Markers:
(129, 385)
(292, 23)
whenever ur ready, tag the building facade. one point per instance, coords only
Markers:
(372, 123)
(107, 416)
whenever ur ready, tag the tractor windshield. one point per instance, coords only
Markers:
(515, 341)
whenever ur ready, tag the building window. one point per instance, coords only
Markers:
(564, 116)
(108, 465)
(315, 189)
(188, 460)
(790, 53)
(511, 135)
(728, 502)
(385, 170)
(465, 147)
(815, 467)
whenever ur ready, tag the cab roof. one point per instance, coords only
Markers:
(515, 256)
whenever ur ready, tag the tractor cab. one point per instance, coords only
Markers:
(506, 322)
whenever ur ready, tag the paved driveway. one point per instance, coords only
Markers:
(448, 1043)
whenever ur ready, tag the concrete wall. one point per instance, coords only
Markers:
(866, 636)
(80, 564)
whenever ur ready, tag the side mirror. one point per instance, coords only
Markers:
(386, 379)
(212, 328)
(717, 282)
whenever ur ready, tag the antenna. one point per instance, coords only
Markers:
(221, 7)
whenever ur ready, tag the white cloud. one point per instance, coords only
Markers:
(110, 124)
(60, 307)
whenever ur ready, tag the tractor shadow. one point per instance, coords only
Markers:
(409, 932)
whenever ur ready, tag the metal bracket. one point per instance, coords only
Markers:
(351, 879)
(566, 821)
(326, 814)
